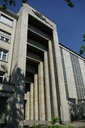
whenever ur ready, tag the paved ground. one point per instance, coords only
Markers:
(78, 124)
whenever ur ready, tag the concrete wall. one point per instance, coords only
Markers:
(74, 68)
(49, 97)
(82, 66)
(8, 46)
(69, 74)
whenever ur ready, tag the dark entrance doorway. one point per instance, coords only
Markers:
(2, 109)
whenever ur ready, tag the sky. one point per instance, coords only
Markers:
(70, 22)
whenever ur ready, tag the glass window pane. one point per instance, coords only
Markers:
(3, 54)
(4, 36)
(4, 57)
(6, 20)
(0, 55)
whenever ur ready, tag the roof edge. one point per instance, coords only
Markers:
(71, 51)
(10, 13)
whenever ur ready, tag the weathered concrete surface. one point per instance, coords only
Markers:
(78, 124)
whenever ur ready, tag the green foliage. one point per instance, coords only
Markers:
(54, 120)
(70, 4)
(68, 126)
(37, 126)
(24, 1)
(8, 2)
(51, 126)
(83, 37)
(4, 7)
(55, 126)
(82, 49)
(81, 52)
(11, 3)
(26, 126)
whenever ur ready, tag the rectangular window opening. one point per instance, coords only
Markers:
(4, 36)
(6, 20)
(3, 55)
(1, 77)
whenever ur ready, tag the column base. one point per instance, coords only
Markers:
(36, 122)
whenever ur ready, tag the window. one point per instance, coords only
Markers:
(3, 101)
(6, 20)
(3, 55)
(1, 77)
(77, 76)
(5, 36)
(64, 73)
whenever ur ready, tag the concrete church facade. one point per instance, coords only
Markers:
(38, 76)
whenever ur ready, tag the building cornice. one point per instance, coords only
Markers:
(71, 51)
(10, 13)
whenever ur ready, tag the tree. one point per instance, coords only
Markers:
(70, 3)
(82, 49)
(13, 3)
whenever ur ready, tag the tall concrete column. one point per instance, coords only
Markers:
(47, 87)
(52, 81)
(58, 64)
(36, 96)
(41, 92)
(18, 72)
(31, 102)
(27, 107)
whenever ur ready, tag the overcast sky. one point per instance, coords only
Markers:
(70, 21)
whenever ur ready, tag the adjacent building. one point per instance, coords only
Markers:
(38, 76)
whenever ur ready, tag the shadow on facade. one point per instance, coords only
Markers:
(77, 111)
(15, 103)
